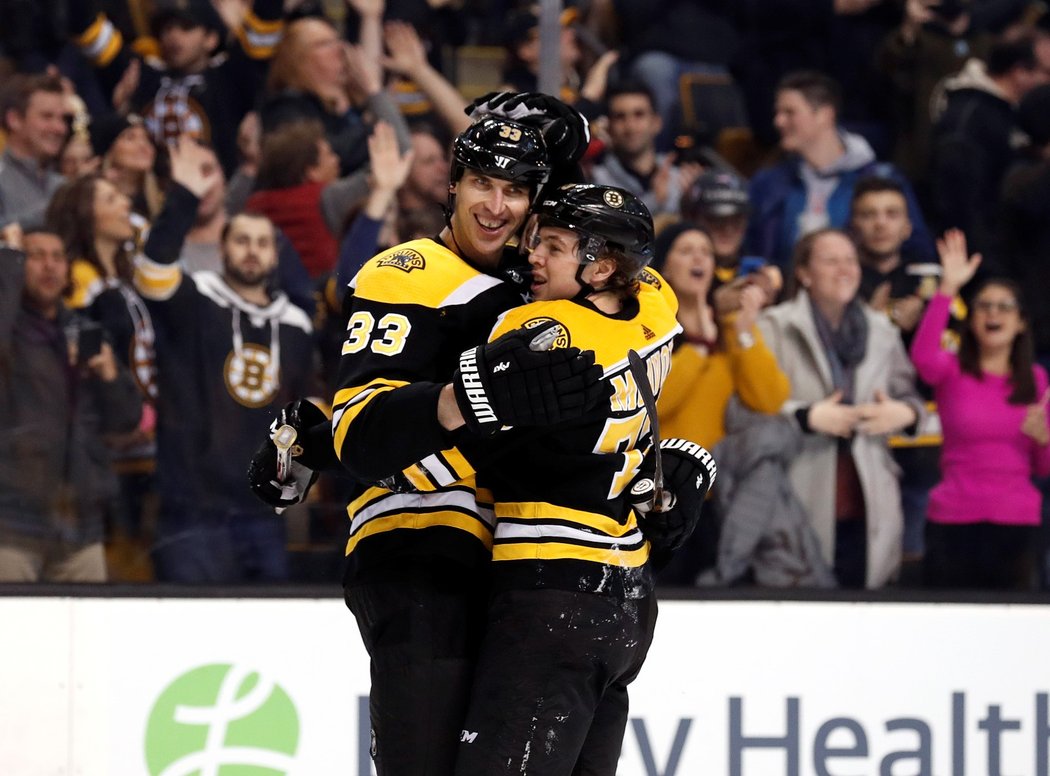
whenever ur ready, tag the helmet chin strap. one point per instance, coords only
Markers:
(586, 289)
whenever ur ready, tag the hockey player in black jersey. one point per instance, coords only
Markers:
(572, 613)
(419, 546)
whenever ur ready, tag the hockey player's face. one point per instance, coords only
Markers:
(250, 254)
(555, 261)
(690, 264)
(488, 212)
(46, 271)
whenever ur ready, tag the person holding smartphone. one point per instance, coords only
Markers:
(61, 389)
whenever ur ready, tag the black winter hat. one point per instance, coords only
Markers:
(198, 13)
(104, 130)
(665, 239)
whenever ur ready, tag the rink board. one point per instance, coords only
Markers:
(174, 687)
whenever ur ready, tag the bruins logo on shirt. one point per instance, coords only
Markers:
(249, 377)
(405, 259)
(561, 340)
(645, 276)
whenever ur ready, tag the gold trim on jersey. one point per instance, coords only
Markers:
(157, 281)
(554, 551)
(100, 42)
(540, 530)
(378, 511)
(539, 511)
(259, 37)
(348, 404)
(439, 470)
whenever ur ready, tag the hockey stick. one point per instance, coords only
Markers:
(645, 390)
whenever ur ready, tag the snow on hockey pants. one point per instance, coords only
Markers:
(550, 691)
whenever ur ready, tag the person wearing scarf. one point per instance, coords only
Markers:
(851, 386)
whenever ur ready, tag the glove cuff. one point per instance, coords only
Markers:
(472, 396)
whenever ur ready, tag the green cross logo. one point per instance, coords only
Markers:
(222, 720)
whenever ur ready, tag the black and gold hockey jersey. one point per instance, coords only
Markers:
(414, 309)
(562, 516)
(225, 368)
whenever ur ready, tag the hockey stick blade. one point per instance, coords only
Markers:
(645, 390)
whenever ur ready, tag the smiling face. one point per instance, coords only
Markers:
(555, 261)
(487, 213)
(633, 124)
(995, 318)
(799, 123)
(832, 274)
(41, 130)
(690, 264)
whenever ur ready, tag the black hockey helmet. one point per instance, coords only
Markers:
(503, 149)
(606, 219)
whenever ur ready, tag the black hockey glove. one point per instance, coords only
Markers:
(565, 130)
(517, 380)
(689, 471)
(284, 468)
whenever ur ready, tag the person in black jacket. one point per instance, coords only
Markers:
(973, 143)
(197, 89)
(61, 389)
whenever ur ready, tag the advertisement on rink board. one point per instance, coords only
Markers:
(251, 687)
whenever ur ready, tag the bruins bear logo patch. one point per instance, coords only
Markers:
(561, 338)
(405, 260)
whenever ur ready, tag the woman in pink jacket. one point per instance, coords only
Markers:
(983, 515)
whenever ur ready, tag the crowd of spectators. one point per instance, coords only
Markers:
(852, 201)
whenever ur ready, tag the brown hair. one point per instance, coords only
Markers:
(20, 89)
(288, 55)
(287, 153)
(1022, 351)
(816, 88)
(71, 215)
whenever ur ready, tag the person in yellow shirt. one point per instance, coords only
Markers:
(719, 355)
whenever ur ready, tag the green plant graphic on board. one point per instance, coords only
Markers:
(222, 720)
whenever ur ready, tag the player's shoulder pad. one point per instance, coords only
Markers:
(533, 314)
(421, 272)
(650, 280)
